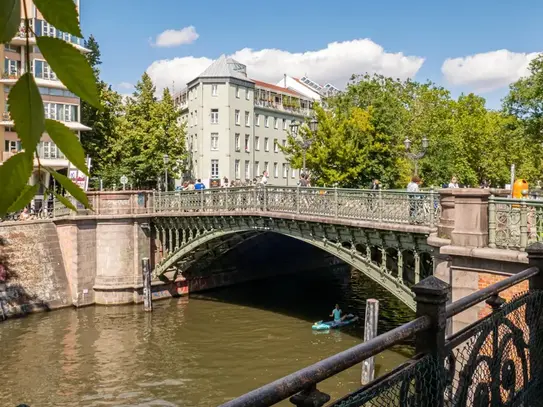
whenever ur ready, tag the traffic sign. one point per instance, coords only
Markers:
(124, 180)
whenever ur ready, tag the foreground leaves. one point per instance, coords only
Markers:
(65, 201)
(60, 13)
(26, 109)
(71, 67)
(71, 188)
(14, 174)
(28, 193)
(67, 141)
(10, 19)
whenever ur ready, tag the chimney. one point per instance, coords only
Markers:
(285, 80)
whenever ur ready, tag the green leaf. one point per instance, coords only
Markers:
(26, 109)
(71, 67)
(65, 201)
(28, 193)
(14, 174)
(70, 187)
(10, 19)
(62, 14)
(67, 141)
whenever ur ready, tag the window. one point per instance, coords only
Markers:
(236, 169)
(267, 166)
(247, 96)
(275, 146)
(285, 170)
(47, 29)
(247, 119)
(266, 144)
(275, 170)
(237, 118)
(247, 143)
(214, 168)
(257, 144)
(10, 145)
(284, 142)
(257, 168)
(237, 92)
(285, 122)
(293, 173)
(247, 169)
(275, 123)
(196, 117)
(236, 142)
(61, 112)
(12, 67)
(267, 124)
(214, 141)
(191, 119)
(214, 116)
(214, 90)
(196, 142)
(257, 119)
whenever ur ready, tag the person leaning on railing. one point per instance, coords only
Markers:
(413, 187)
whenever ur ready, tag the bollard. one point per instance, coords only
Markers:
(370, 332)
(147, 298)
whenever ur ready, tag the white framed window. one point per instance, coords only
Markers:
(257, 144)
(285, 123)
(237, 118)
(266, 144)
(247, 95)
(275, 146)
(275, 123)
(47, 29)
(284, 142)
(247, 169)
(236, 142)
(247, 143)
(257, 168)
(285, 170)
(267, 167)
(275, 170)
(214, 90)
(214, 141)
(267, 124)
(293, 173)
(236, 169)
(214, 168)
(191, 120)
(196, 142)
(257, 119)
(11, 66)
(237, 92)
(214, 116)
(247, 119)
(196, 117)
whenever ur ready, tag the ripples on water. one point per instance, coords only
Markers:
(189, 352)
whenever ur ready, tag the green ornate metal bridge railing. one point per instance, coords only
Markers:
(497, 361)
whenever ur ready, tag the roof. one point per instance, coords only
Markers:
(226, 67)
(276, 88)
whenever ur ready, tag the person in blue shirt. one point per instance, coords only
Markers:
(336, 313)
(199, 185)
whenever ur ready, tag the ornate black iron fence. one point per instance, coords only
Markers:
(497, 361)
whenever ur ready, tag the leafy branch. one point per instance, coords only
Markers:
(26, 106)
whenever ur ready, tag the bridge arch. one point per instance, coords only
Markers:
(376, 254)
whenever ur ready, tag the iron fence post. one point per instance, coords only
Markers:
(380, 205)
(491, 221)
(523, 225)
(265, 197)
(431, 295)
(336, 202)
(202, 200)
(534, 315)
(298, 199)
(432, 207)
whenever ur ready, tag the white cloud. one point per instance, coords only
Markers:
(487, 71)
(335, 64)
(125, 85)
(174, 38)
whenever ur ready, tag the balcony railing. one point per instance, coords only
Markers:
(12, 75)
(279, 106)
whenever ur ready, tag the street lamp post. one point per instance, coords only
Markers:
(166, 161)
(305, 142)
(415, 157)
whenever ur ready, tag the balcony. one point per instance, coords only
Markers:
(296, 110)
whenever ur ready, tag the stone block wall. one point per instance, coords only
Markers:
(32, 273)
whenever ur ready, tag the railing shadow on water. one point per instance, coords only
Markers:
(495, 361)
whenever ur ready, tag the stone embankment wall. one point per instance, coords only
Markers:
(32, 273)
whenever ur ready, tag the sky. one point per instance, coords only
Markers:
(478, 46)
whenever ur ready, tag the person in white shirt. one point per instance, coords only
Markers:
(264, 179)
(413, 187)
(453, 183)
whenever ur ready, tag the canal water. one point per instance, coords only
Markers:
(197, 351)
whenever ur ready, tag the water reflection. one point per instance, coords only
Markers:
(189, 352)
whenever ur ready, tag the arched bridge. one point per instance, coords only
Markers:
(381, 233)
